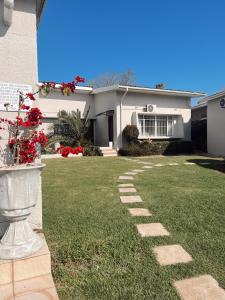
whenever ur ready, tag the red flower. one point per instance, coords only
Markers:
(25, 107)
(79, 79)
(34, 117)
(40, 137)
(12, 143)
(65, 151)
(30, 96)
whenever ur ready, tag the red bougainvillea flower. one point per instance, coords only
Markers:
(65, 151)
(25, 107)
(34, 116)
(30, 96)
(12, 143)
(79, 79)
(28, 151)
(40, 137)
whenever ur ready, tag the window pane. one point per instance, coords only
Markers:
(170, 126)
(141, 124)
(161, 125)
(150, 126)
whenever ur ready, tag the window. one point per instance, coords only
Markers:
(156, 126)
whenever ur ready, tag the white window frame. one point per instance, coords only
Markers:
(156, 136)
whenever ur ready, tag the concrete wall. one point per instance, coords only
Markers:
(215, 128)
(18, 64)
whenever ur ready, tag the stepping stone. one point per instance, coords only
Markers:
(126, 185)
(204, 287)
(173, 164)
(171, 255)
(126, 178)
(127, 190)
(130, 199)
(159, 165)
(189, 163)
(139, 212)
(147, 167)
(138, 171)
(152, 229)
(130, 173)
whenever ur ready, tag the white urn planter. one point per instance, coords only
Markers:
(19, 188)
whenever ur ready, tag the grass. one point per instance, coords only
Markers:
(96, 251)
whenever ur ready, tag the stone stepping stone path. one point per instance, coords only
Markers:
(126, 185)
(139, 212)
(126, 178)
(130, 173)
(152, 230)
(171, 255)
(130, 199)
(204, 287)
(127, 190)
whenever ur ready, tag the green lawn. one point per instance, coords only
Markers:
(96, 251)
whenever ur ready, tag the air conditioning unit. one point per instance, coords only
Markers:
(222, 103)
(150, 107)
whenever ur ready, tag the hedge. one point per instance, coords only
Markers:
(157, 148)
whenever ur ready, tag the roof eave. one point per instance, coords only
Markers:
(39, 10)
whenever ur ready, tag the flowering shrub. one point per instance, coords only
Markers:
(65, 151)
(24, 139)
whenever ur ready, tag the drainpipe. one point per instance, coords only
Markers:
(8, 12)
(121, 106)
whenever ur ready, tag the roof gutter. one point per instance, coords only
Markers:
(8, 12)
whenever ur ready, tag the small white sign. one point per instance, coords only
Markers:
(9, 93)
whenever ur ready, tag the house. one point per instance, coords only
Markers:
(216, 123)
(159, 114)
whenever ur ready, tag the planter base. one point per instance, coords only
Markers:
(19, 241)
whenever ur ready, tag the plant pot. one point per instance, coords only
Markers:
(19, 189)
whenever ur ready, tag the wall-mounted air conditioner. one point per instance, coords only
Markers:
(150, 107)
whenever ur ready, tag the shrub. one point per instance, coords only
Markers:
(157, 148)
(131, 133)
(92, 151)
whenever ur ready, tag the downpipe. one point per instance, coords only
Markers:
(8, 12)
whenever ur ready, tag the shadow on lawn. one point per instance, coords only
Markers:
(214, 164)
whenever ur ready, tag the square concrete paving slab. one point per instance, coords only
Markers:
(126, 185)
(171, 255)
(204, 287)
(130, 199)
(130, 173)
(173, 164)
(189, 164)
(126, 178)
(152, 230)
(147, 167)
(138, 171)
(127, 190)
(159, 165)
(139, 212)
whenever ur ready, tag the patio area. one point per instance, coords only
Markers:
(97, 250)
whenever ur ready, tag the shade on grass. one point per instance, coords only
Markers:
(96, 250)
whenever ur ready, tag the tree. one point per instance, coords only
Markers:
(112, 78)
(70, 128)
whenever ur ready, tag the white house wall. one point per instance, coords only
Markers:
(215, 128)
(55, 102)
(165, 105)
(104, 102)
(18, 64)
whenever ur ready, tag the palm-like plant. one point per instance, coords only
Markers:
(72, 129)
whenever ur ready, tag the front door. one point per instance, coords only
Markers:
(110, 128)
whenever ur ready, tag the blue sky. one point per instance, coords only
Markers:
(178, 42)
